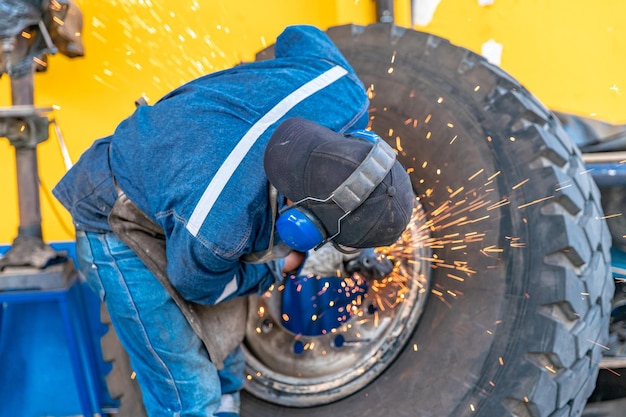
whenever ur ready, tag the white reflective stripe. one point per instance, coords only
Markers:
(217, 184)
(230, 288)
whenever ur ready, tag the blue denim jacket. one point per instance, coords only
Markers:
(193, 162)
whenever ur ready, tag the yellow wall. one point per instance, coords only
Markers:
(570, 53)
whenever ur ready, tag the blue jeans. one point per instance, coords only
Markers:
(172, 365)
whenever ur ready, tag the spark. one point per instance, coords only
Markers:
(455, 277)
(474, 220)
(40, 62)
(477, 88)
(475, 174)
(499, 204)
(519, 184)
(440, 209)
(598, 344)
(535, 202)
(101, 81)
(493, 249)
(477, 205)
(609, 216)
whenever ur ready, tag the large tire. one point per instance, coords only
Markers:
(520, 283)
(521, 288)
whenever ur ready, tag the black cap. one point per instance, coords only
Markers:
(304, 159)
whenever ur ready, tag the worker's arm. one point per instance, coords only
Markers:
(202, 275)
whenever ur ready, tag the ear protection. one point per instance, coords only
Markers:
(301, 230)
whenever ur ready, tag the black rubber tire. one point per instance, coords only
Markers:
(521, 282)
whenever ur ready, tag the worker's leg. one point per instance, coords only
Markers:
(172, 365)
(232, 381)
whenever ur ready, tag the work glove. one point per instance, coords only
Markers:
(328, 261)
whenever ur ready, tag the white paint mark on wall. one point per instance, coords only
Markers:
(492, 51)
(485, 2)
(423, 11)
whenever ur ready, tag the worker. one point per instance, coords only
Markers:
(182, 206)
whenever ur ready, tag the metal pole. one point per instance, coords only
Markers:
(384, 11)
(28, 248)
(22, 93)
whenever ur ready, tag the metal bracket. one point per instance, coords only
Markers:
(24, 126)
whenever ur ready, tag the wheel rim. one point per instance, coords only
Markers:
(302, 371)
